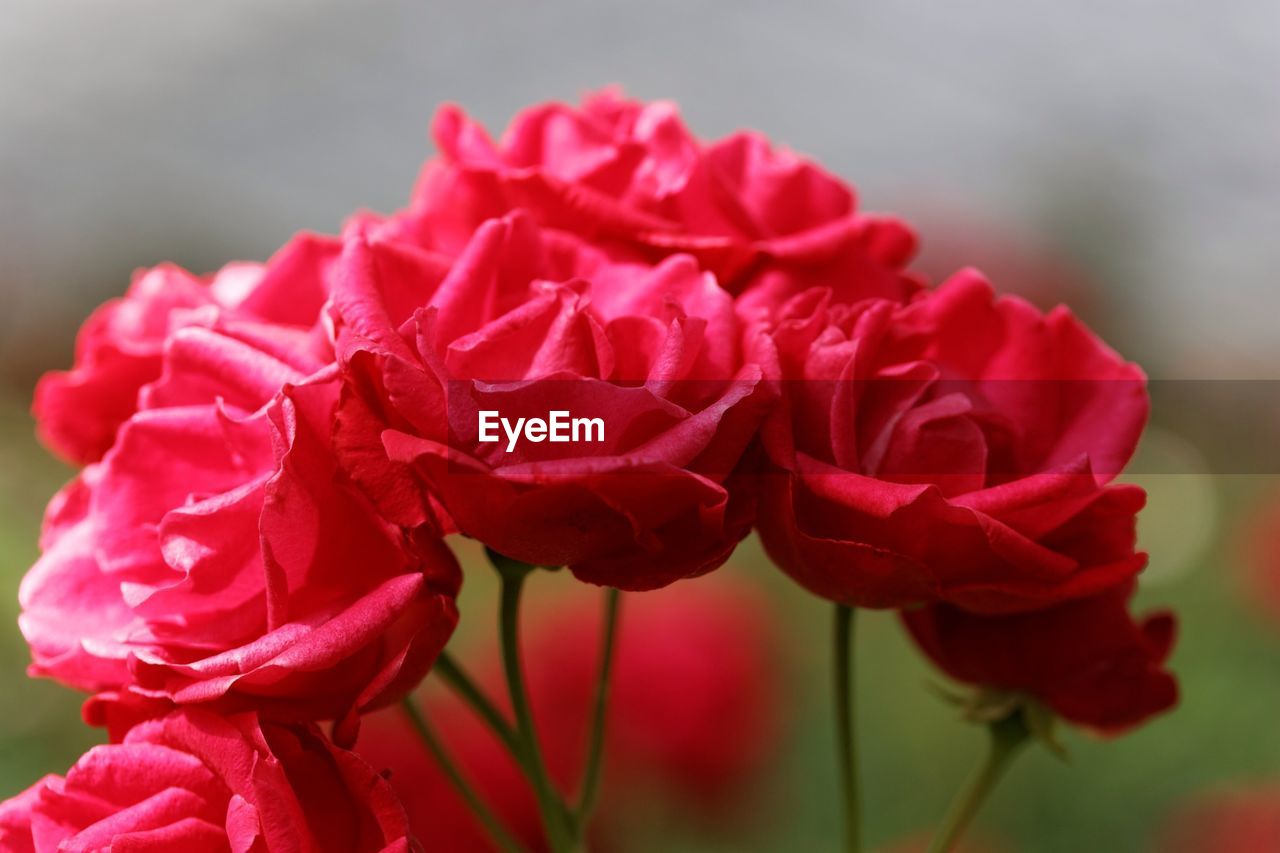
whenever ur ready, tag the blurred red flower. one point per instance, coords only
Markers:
(1261, 558)
(1244, 820)
(694, 715)
(1026, 257)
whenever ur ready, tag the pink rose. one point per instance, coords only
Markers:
(216, 554)
(194, 781)
(957, 448)
(522, 323)
(632, 179)
(120, 347)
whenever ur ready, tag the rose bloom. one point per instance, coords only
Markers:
(630, 177)
(694, 716)
(196, 781)
(528, 321)
(216, 553)
(1088, 660)
(120, 347)
(1243, 819)
(953, 449)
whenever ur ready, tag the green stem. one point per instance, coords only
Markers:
(1008, 736)
(487, 818)
(555, 817)
(845, 745)
(595, 750)
(451, 672)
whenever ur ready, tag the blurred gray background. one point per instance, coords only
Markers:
(1139, 138)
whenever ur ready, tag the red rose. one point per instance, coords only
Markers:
(215, 554)
(1087, 660)
(630, 177)
(522, 324)
(956, 449)
(120, 347)
(195, 781)
(696, 696)
(693, 714)
(1240, 819)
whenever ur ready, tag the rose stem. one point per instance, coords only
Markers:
(843, 674)
(452, 673)
(486, 817)
(595, 754)
(555, 817)
(1007, 737)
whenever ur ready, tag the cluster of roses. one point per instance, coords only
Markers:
(272, 456)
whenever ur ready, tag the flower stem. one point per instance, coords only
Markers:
(487, 818)
(1007, 737)
(556, 819)
(845, 746)
(595, 751)
(452, 673)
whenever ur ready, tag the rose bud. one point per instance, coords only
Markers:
(195, 781)
(1089, 661)
(955, 449)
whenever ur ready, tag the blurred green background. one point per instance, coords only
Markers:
(915, 751)
(1120, 159)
